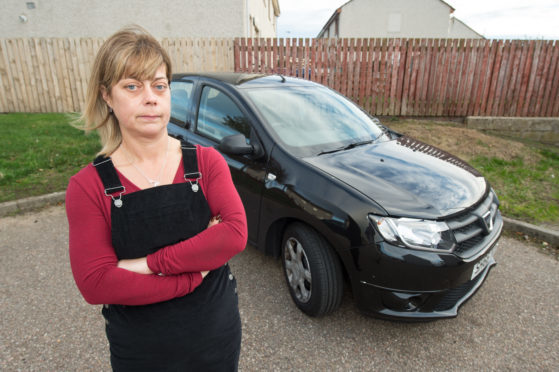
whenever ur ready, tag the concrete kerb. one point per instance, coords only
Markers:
(35, 202)
(541, 233)
(32, 203)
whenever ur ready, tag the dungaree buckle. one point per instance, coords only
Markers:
(112, 190)
(193, 184)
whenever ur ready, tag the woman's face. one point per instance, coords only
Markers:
(141, 107)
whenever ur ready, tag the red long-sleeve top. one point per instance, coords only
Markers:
(93, 259)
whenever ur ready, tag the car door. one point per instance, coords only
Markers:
(218, 115)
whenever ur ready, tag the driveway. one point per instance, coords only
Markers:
(512, 323)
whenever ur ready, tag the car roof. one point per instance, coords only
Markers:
(240, 78)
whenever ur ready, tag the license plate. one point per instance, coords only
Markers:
(482, 264)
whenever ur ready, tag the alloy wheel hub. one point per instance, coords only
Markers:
(297, 269)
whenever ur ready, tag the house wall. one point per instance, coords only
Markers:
(162, 18)
(261, 19)
(396, 19)
(459, 30)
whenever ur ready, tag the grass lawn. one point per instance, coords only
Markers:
(524, 174)
(39, 153)
(527, 191)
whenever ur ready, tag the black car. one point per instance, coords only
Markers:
(337, 195)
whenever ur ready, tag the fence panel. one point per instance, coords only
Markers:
(51, 74)
(401, 77)
(424, 77)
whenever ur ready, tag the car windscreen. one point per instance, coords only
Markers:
(313, 120)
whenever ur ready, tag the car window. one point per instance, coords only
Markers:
(181, 92)
(219, 116)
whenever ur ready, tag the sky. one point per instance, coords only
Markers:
(494, 19)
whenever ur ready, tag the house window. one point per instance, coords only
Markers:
(394, 22)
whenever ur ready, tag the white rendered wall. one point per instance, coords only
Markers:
(162, 18)
(397, 18)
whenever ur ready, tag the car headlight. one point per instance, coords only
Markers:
(414, 233)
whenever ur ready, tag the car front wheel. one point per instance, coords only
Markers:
(312, 270)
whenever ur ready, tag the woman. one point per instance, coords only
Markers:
(142, 238)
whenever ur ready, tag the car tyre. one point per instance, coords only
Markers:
(312, 271)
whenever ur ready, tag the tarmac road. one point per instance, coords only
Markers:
(512, 323)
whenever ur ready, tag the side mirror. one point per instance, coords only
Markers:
(235, 144)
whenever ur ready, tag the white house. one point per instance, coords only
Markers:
(162, 18)
(396, 19)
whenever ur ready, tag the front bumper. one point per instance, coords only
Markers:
(403, 284)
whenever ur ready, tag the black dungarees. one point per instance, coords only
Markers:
(198, 332)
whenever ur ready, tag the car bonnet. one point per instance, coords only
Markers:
(406, 177)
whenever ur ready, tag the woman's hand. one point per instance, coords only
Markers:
(137, 265)
(214, 221)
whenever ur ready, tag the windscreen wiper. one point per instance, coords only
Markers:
(347, 147)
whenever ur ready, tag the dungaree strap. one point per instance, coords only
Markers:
(190, 165)
(190, 162)
(107, 172)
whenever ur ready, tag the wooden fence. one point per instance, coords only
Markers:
(400, 77)
(51, 74)
(420, 77)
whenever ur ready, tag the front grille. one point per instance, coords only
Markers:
(470, 229)
(468, 245)
(454, 295)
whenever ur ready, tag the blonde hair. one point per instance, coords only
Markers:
(130, 52)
